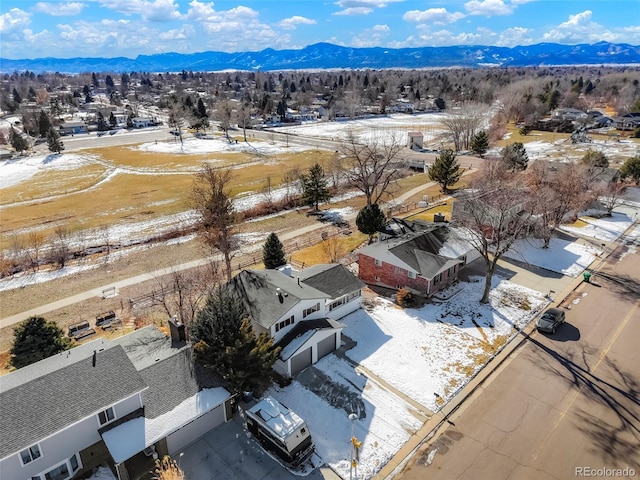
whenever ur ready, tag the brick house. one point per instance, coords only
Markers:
(424, 258)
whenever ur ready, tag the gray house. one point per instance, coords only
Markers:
(299, 310)
(122, 402)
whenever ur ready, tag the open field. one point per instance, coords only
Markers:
(117, 186)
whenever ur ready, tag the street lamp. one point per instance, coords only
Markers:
(352, 418)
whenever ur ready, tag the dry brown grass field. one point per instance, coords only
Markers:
(124, 184)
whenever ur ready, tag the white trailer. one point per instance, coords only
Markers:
(280, 431)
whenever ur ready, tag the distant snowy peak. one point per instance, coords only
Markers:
(327, 55)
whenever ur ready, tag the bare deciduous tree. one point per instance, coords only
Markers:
(494, 212)
(371, 167)
(60, 249)
(464, 122)
(554, 194)
(333, 249)
(224, 114)
(181, 293)
(211, 198)
(35, 243)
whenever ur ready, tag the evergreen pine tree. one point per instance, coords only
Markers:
(43, 123)
(445, 170)
(370, 220)
(227, 344)
(314, 187)
(515, 157)
(18, 142)
(53, 141)
(273, 252)
(631, 169)
(480, 143)
(36, 339)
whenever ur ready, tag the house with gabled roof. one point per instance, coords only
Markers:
(299, 310)
(123, 402)
(421, 257)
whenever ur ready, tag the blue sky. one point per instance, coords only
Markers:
(110, 28)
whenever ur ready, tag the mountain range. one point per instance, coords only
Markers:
(329, 56)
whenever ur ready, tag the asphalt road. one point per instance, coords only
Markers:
(564, 405)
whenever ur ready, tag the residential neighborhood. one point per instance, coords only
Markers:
(332, 274)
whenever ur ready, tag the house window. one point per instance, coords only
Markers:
(398, 270)
(337, 303)
(411, 274)
(378, 263)
(61, 472)
(28, 455)
(310, 310)
(106, 416)
(73, 461)
(437, 278)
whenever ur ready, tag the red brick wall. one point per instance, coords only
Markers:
(388, 275)
(368, 271)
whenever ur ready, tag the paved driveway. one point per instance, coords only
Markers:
(228, 453)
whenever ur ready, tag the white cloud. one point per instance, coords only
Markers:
(578, 29)
(355, 11)
(372, 37)
(488, 8)
(361, 7)
(515, 36)
(183, 33)
(291, 22)
(438, 16)
(152, 10)
(365, 3)
(13, 22)
(59, 9)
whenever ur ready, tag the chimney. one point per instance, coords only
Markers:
(177, 330)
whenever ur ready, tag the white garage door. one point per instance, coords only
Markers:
(194, 430)
(301, 361)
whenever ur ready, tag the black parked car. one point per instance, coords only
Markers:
(550, 320)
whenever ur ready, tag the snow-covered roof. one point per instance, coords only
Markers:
(130, 438)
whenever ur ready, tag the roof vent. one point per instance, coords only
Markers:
(95, 358)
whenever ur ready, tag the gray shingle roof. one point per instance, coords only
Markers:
(422, 251)
(45, 397)
(333, 279)
(258, 291)
(167, 368)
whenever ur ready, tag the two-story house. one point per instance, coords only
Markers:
(299, 310)
(424, 258)
(121, 402)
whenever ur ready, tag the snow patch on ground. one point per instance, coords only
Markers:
(425, 353)
(21, 169)
(606, 228)
(194, 146)
(568, 258)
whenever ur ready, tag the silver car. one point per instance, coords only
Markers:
(550, 320)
